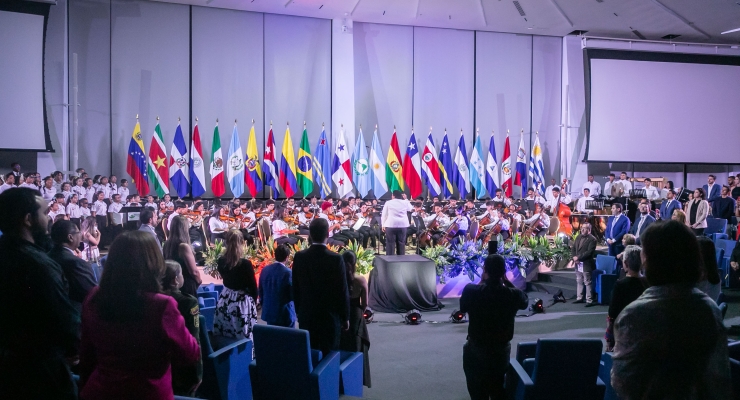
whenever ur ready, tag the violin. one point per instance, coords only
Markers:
(226, 218)
(308, 215)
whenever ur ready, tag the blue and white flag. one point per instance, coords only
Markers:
(235, 165)
(536, 168)
(478, 169)
(492, 178)
(179, 164)
(460, 173)
(361, 167)
(322, 165)
(197, 166)
(445, 167)
(377, 166)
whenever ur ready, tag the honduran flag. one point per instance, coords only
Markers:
(430, 166)
(197, 169)
(287, 166)
(179, 164)
(136, 163)
(269, 165)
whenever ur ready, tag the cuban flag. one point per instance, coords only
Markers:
(269, 165)
(235, 165)
(341, 170)
(492, 182)
(179, 164)
(197, 169)
(460, 173)
(430, 167)
(521, 166)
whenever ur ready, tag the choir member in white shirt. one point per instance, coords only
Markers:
(651, 192)
(84, 208)
(548, 190)
(66, 190)
(58, 178)
(100, 209)
(168, 202)
(395, 221)
(73, 209)
(48, 191)
(104, 187)
(280, 229)
(54, 210)
(557, 198)
(150, 202)
(61, 200)
(79, 188)
(625, 183)
(89, 190)
(593, 187)
(113, 185)
(581, 204)
(29, 182)
(180, 208)
(608, 185)
(9, 182)
(116, 205)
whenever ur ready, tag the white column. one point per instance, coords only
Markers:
(343, 81)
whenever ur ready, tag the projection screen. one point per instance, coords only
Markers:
(662, 108)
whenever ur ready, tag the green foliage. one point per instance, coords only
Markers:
(365, 257)
(211, 255)
(438, 254)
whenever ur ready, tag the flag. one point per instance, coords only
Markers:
(430, 167)
(445, 168)
(461, 174)
(305, 163)
(136, 164)
(158, 164)
(235, 173)
(269, 166)
(536, 168)
(322, 165)
(506, 169)
(341, 172)
(179, 164)
(253, 175)
(360, 167)
(521, 166)
(378, 182)
(287, 166)
(477, 169)
(217, 165)
(393, 168)
(412, 167)
(197, 169)
(492, 175)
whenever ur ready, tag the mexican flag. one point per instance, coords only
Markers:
(217, 166)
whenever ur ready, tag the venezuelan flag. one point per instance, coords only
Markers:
(287, 166)
(136, 163)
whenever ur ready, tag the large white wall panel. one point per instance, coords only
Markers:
(297, 77)
(227, 78)
(384, 80)
(150, 69)
(546, 66)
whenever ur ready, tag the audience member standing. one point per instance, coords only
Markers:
(178, 248)
(236, 312)
(626, 290)
(395, 221)
(131, 333)
(709, 282)
(90, 236)
(320, 290)
(617, 226)
(148, 220)
(671, 343)
(79, 273)
(584, 252)
(724, 206)
(697, 210)
(491, 307)
(40, 323)
(276, 291)
(356, 338)
(185, 379)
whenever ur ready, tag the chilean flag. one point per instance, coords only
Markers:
(341, 172)
(179, 164)
(506, 169)
(197, 169)
(430, 167)
(412, 167)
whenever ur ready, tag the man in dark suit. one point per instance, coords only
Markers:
(616, 227)
(320, 290)
(148, 219)
(79, 274)
(669, 206)
(584, 253)
(642, 221)
(712, 190)
(275, 291)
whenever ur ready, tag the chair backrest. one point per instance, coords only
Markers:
(606, 263)
(554, 225)
(727, 245)
(231, 364)
(567, 366)
(715, 225)
(280, 353)
(605, 371)
(264, 224)
(472, 229)
(209, 313)
(720, 253)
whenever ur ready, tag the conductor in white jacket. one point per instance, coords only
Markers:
(395, 220)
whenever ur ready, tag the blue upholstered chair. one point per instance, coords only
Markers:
(351, 367)
(604, 277)
(561, 369)
(208, 294)
(283, 368)
(724, 264)
(225, 370)
(715, 225)
(605, 374)
(206, 302)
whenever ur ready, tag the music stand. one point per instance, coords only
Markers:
(638, 194)
(594, 205)
(683, 196)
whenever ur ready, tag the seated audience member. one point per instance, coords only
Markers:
(184, 379)
(491, 307)
(709, 282)
(276, 291)
(626, 290)
(356, 338)
(679, 215)
(79, 273)
(671, 343)
(41, 326)
(131, 333)
(178, 248)
(236, 312)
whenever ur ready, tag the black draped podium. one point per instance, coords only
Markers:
(402, 283)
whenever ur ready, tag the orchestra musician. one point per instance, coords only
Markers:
(291, 204)
(463, 222)
(305, 217)
(218, 223)
(282, 233)
(531, 200)
(593, 187)
(242, 223)
(347, 220)
(608, 185)
(626, 184)
(327, 214)
(442, 219)
(581, 203)
(543, 223)
(367, 230)
(499, 198)
(557, 199)
(669, 205)
(651, 192)
(497, 219)
(180, 208)
(168, 202)
(548, 190)
(416, 220)
(516, 219)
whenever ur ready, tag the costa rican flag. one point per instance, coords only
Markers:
(430, 167)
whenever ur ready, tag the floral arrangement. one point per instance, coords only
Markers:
(365, 257)
(211, 255)
(438, 254)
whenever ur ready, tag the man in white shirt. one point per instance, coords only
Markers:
(544, 223)
(608, 185)
(9, 182)
(651, 192)
(625, 183)
(395, 220)
(548, 190)
(557, 199)
(581, 204)
(499, 198)
(593, 187)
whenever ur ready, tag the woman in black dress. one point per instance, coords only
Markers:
(178, 248)
(356, 338)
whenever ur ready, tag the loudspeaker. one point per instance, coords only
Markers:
(492, 247)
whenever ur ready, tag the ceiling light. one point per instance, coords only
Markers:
(731, 31)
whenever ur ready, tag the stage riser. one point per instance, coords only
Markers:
(545, 290)
(562, 278)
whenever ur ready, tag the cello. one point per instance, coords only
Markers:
(564, 213)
